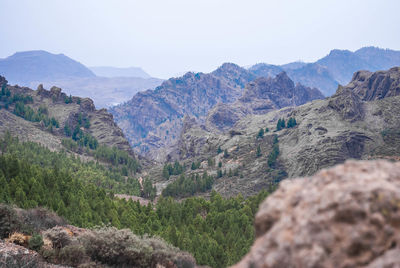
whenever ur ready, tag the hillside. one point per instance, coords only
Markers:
(335, 68)
(358, 122)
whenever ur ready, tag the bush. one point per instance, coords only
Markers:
(73, 255)
(59, 237)
(122, 248)
(35, 242)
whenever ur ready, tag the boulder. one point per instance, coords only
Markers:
(346, 216)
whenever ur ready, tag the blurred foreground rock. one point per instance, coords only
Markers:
(346, 216)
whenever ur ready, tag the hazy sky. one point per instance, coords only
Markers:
(167, 37)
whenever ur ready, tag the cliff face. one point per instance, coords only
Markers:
(346, 216)
(374, 86)
(152, 120)
(260, 97)
(102, 126)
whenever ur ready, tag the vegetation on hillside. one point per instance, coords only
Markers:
(188, 186)
(218, 232)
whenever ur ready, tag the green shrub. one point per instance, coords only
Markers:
(35, 242)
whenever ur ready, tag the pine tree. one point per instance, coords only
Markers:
(258, 152)
(260, 133)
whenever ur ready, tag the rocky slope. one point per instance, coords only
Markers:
(335, 68)
(152, 120)
(345, 126)
(102, 126)
(346, 216)
(260, 97)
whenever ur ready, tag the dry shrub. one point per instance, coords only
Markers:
(73, 255)
(19, 239)
(122, 248)
(41, 219)
(59, 237)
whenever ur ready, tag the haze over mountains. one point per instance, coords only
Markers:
(152, 120)
(231, 133)
(107, 71)
(335, 68)
(32, 68)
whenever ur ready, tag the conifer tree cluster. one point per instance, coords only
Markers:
(281, 124)
(174, 169)
(218, 232)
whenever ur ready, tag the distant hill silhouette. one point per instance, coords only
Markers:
(39, 65)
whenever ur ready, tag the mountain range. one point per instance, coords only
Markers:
(358, 122)
(107, 86)
(334, 69)
(152, 120)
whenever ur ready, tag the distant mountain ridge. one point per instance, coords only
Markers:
(31, 68)
(108, 71)
(334, 69)
(37, 65)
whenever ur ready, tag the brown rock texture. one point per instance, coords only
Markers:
(346, 216)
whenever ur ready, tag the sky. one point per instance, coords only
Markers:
(169, 37)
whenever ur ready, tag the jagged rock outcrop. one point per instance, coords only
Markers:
(260, 97)
(347, 103)
(152, 120)
(346, 216)
(374, 86)
(102, 125)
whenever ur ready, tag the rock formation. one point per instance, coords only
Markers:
(153, 119)
(260, 97)
(374, 86)
(346, 216)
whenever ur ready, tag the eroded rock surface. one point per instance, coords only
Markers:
(346, 216)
